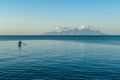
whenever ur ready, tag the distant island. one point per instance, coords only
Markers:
(82, 30)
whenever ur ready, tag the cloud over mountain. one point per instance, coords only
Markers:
(79, 30)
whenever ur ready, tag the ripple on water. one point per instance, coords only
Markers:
(59, 60)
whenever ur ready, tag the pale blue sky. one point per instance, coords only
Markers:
(39, 16)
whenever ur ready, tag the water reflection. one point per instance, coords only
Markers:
(109, 42)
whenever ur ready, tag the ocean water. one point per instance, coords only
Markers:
(60, 58)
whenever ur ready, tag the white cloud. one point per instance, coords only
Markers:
(58, 29)
(82, 27)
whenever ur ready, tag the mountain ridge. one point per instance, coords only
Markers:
(83, 30)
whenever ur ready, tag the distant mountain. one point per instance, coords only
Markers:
(82, 30)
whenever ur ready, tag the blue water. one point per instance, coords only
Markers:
(60, 58)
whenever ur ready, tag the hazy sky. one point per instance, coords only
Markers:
(39, 16)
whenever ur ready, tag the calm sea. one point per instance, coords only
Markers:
(60, 58)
